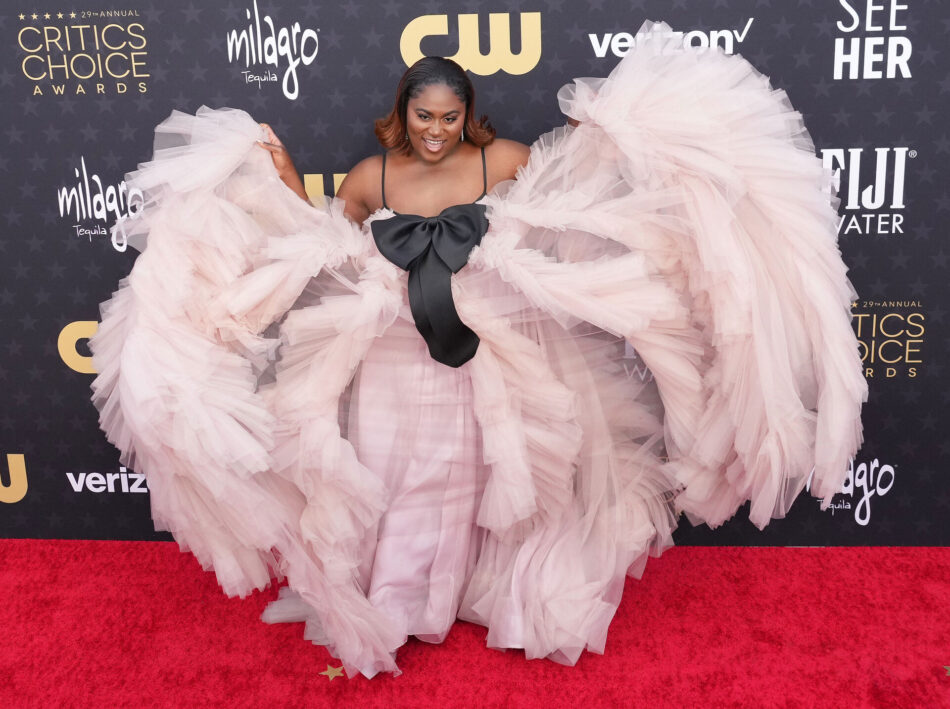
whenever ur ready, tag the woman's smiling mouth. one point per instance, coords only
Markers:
(433, 145)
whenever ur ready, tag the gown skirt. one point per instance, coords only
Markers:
(664, 329)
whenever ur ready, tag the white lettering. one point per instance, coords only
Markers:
(76, 482)
(272, 45)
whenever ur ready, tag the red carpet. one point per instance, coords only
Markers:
(109, 624)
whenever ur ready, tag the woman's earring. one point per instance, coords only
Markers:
(462, 139)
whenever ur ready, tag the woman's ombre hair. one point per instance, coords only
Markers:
(391, 130)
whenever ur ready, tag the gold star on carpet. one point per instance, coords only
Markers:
(947, 668)
(333, 672)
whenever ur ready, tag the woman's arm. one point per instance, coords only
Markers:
(285, 166)
(361, 190)
(504, 157)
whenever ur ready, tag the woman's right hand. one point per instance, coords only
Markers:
(282, 162)
(277, 151)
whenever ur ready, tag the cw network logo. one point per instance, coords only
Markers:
(15, 489)
(314, 183)
(469, 55)
(68, 341)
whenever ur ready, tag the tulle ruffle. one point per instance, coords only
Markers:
(664, 324)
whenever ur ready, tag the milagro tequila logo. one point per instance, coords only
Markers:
(873, 201)
(263, 44)
(864, 482)
(89, 200)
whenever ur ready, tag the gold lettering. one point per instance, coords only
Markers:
(424, 26)
(16, 490)
(68, 337)
(885, 332)
(19, 38)
(916, 319)
(27, 74)
(469, 55)
(315, 186)
(499, 55)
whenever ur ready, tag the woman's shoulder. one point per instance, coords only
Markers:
(504, 157)
(366, 168)
(508, 149)
(361, 188)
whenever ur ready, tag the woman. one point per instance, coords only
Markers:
(434, 146)
(419, 555)
(451, 423)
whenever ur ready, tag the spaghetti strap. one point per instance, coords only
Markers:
(484, 175)
(383, 181)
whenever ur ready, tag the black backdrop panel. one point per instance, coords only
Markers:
(83, 89)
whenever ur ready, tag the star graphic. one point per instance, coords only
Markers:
(334, 672)
(947, 668)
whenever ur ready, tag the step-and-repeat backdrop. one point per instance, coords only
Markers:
(82, 88)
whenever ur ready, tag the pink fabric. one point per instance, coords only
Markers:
(664, 327)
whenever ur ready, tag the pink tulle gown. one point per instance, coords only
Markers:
(663, 323)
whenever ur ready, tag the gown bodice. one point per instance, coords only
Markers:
(431, 249)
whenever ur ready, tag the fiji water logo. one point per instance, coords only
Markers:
(262, 44)
(864, 482)
(90, 200)
(870, 185)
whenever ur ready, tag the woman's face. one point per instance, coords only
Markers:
(434, 121)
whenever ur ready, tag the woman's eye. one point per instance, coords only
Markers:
(422, 117)
(450, 120)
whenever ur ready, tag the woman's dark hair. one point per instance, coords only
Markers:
(391, 130)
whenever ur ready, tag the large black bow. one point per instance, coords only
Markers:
(432, 249)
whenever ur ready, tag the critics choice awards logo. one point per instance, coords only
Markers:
(89, 51)
(265, 49)
(890, 337)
